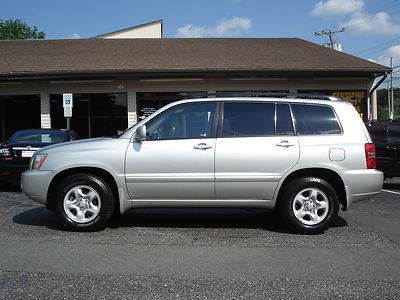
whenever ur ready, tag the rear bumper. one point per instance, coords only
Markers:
(35, 184)
(11, 173)
(362, 185)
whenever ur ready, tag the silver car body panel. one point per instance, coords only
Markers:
(230, 172)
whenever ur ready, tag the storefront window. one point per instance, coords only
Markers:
(18, 112)
(147, 103)
(93, 115)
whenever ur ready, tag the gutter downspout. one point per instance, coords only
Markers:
(373, 90)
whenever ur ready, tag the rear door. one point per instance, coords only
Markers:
(256, 146)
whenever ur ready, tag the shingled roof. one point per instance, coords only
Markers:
(146, 56)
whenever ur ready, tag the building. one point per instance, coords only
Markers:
(117, 81)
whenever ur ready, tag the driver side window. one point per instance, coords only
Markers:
(184, 121)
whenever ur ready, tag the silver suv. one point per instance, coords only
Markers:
(302, 157)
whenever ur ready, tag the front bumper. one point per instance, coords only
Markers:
(362, 185)
(35, 184)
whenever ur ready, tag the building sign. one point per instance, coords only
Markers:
(67, 112)
(67, 100)
(146, 111)
(357, 98)
(67, 104)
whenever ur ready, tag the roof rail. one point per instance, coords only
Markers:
(281, 95)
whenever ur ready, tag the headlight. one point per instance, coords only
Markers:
(37, 161)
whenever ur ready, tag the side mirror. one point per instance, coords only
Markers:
(140, 134)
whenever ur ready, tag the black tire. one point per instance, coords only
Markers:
(288, 209)
(104, 200)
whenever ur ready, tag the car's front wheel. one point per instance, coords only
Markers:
(309, 205)
(84, 202)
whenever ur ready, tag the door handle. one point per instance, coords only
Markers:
(202, 146)
(285, 144)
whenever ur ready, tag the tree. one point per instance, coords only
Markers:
(18, 30)
(383, 110)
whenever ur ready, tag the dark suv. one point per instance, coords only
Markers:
(386, 137)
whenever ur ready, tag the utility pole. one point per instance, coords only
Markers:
(330, 34)
(388, 99)
(391, 117)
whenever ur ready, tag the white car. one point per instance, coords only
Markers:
(303, 157)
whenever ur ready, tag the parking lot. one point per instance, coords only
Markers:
(208, 253)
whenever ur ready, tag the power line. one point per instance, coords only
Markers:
(374, 10)
(380, 47)
(385, 6)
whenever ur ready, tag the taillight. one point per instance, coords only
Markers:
(370, 156)
(5, 153)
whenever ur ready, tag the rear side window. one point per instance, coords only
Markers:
(248, 119)
(315, 119)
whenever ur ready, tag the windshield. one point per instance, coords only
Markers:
(38, 136)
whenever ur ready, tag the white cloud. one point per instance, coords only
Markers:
(225, 28)
(379, 23)
(190, 31)
(74, 36)
(394, 52)
(337, 7)
(233, 26)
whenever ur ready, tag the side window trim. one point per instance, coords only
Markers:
(293, 120)
(291, 117)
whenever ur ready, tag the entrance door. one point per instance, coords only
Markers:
(176, 161)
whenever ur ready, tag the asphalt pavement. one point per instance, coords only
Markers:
(200, 254)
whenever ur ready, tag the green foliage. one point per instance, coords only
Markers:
(19, 30)
(383, 110)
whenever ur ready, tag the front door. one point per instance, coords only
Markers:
(176, 161)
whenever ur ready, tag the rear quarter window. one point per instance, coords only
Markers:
(315, 119)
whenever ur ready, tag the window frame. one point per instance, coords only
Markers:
(221, 120)
(214, 122)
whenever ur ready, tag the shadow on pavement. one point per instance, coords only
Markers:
(392, 186)
(176, 218)
(39, 216)
(206, 218)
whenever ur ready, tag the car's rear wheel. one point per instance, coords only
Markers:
(309, 205)
(84, 202)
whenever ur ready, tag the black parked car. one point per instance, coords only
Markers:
(386, 137)
(16, 153)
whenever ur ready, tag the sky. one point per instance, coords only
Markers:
(372, 27)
